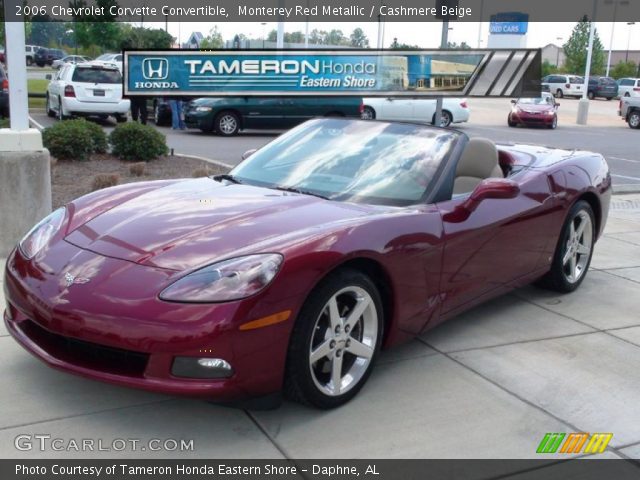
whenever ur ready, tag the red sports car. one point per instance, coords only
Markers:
(337, 239)
(540, 111)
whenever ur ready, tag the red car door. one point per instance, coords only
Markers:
(499, 242)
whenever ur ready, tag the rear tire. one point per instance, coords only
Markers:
(574, 250)
(445, 120)
(227, 124)
(368, 113)
(61, 115)
(50, 113)
(591, 95)
(328, 348)
(559, 93)
(626, 94)
(120, 118)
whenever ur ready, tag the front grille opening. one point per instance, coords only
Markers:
(86, 354)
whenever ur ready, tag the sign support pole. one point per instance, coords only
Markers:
(444, 42)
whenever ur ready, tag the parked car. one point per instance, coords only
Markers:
(454, 110)
(541, 111)
(110, 59)
(629, 87)
(85, 89)
(337, 239)
(46, 56)
(70, 59)
(4, 93)
(604, 87)
(629, 110)
(564, 85)
(30, 53)
(228, 115)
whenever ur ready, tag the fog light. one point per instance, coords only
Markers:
(194, 367)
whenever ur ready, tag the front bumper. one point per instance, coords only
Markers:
(106, 330)
(200, 120)
(532, 119)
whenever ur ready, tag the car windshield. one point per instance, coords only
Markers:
(352, 161)
(96, 75)
(536, 101)
(105, 57)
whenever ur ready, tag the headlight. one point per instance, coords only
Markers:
(203, 109)
(41, 233)
(224, 281)
(550, 112)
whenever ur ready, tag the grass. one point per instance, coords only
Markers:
(37, 85)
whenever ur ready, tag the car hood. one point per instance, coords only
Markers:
(528, 107)
(194, 222)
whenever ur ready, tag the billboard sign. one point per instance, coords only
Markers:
(509, 23)
(329, 72)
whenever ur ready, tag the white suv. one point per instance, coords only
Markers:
(629, 87)
(30, 53)
(564, 85)
(86, 90)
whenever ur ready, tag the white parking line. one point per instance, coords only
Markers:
(36, 124)
(625, 176)
(625, 159)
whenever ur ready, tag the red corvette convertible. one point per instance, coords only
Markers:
(337, 239)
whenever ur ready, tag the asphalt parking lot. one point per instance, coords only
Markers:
(606, 133)
(488, 384)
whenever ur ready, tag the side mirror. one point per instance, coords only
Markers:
(557, 105)
(389, 99)
(513, 101)
(489, 188)
(48, 76)
(248, 153)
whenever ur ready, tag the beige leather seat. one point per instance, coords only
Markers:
(479, 160)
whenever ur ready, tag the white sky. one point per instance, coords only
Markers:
(423, 34)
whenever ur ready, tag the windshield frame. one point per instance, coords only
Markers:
(431, 189)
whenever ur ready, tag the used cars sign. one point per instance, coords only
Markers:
(330, 72)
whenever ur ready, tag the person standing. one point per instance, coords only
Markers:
(139, 109)
(177, 120)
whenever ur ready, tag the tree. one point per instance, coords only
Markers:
(403, 46)
(140, 37)
(624, 69)
(359, 39)
(548, 68)
(455, 46)
(336, 37)
(213, 40)
(575, 50)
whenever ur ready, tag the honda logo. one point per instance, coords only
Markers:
(155, 68)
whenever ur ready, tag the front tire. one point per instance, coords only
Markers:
(634, 120)
(511, 123)
(591, 95)
(121, 118)
(61, 114)
(227, 124)
(574, 250)
(554, 123)
(335, 341)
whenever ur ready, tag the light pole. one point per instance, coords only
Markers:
(558, 39)
(613, 26)
(264, 33)
(583, 105)
(626, 57)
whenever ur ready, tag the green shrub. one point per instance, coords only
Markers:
(98, 137)
(74, 139)
(134, 141)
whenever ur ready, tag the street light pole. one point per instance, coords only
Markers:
(583, 105)
(559, 39)
(626, 57)
(444, 43)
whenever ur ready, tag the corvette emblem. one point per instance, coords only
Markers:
(70, 279)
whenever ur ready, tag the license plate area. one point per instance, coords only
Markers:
(98, 93)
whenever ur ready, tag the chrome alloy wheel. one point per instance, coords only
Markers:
(344, 341)
(228, 124)
(578, 247)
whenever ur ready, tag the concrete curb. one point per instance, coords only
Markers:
(626, 189)
(205, 159)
